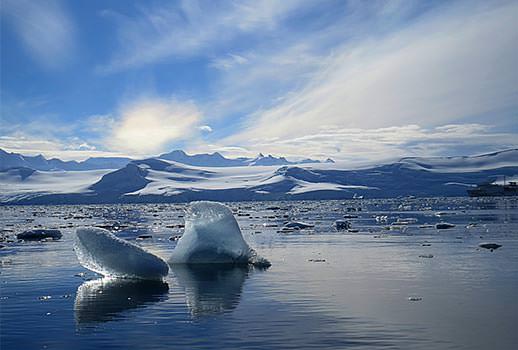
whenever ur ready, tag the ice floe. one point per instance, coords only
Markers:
(101, 251)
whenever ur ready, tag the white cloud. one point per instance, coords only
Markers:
(145, 127)
(68, 149)
(376, 144)
(205, 128)
(444, 69)
(44, 28)
(229, 61)
(140, 128)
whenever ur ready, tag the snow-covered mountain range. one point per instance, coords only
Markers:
(16, 160)
(170, 178)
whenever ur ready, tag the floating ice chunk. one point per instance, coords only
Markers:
(342, 225)
(444, 225)
(490, 246)
(298, 225)
(212, 236)
(38, 234)
(100, 251)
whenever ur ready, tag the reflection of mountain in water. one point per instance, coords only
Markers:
(104, 299)
(211, 289)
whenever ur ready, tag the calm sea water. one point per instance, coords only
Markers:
(385, 286)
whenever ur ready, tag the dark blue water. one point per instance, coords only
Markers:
(386, 286)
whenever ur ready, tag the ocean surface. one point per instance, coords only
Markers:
(393, 282)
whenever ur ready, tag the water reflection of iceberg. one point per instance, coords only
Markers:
(211, 289)
(104, 299)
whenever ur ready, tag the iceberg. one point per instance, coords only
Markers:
(212, 236)
(100, 251)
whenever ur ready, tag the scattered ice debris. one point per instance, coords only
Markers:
(175, 238)
(426, 256)
(100, 251)
(426, 226)
(353, 230)
(212, 236)
(426, 244)
(317, 260)
(145, 236)
(444, 213)
(444, 225)
(490, 246)
(405, 221)
(45, 297)
(342, 225)
(350, 216)
(415, 298)
(113, 226)
(80, 274)
(381, 218)
(298, 225)
(39, 234)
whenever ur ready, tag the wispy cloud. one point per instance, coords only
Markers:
(443, 69)
(189, 28)
(346, 79)
(378, 144)
(71, 148)
(228, 61)
(44, 27)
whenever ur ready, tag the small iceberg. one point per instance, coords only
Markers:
(39, 234)
(444, 226)
(490, 246)
(101, 251)
(212, 236)
(298, 225)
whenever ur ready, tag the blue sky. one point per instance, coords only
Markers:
(352, 80)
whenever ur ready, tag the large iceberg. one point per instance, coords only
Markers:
(211, 236)
(99, 250)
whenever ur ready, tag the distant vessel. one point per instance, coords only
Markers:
(494, 190)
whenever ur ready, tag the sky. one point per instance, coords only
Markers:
(351, 80)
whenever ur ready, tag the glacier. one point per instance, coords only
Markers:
(212, 236)
(99, 250)
(159, 180)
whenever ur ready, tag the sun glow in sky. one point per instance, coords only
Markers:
(351, 80)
